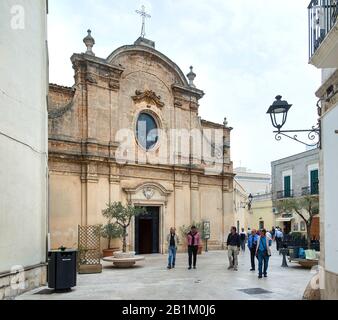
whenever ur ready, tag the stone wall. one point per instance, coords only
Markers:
(12, 285)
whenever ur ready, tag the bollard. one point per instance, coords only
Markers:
(284, 252)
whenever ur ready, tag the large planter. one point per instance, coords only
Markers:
(109, 252)
(124, 260)
(124, 255)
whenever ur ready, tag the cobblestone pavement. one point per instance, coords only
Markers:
(150, 280)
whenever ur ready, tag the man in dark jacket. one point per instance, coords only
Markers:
(233, 245)
(252, 245)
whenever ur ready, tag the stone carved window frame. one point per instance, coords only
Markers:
(148, 109)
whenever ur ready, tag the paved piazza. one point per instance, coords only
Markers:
(210, 281)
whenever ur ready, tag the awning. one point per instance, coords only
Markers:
(284, 219)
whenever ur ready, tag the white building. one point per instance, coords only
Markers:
(23, 145)
(253, 182)
(323, 32)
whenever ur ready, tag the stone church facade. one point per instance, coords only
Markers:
(96, 129)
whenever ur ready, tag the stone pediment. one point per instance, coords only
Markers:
(148, 96)
(148, 192)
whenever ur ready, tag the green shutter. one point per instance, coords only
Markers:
(287, 186)
(314, 181)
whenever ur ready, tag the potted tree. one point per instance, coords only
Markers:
(122, 215)
(110, 231)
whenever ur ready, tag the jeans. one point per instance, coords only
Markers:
(172, 256)
(192, 252)
(263, 258)
(243, 245)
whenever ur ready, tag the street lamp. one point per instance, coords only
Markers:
(250, 201)
(278, 112)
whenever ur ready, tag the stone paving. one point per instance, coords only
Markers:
(150, 280)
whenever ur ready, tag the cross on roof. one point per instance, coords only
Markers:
(144, 15)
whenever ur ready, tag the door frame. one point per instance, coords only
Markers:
(132, 226)
(158, 229)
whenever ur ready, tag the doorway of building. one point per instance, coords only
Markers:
(287, 227)
(147, 231)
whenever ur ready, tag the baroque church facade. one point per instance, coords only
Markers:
(123, 133)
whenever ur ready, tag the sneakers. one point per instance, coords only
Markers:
(189, 268)
(168, 267)
(260, 277)
(265, 276)
(252, 269)
(230, 267)
(235, 269)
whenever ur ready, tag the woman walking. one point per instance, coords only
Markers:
(263, 254)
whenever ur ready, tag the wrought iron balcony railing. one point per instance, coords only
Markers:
(307, 191)
(322, 17)
(284, 194)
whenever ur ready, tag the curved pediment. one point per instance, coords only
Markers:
(142, 49)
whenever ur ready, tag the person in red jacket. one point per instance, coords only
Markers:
(193, 239)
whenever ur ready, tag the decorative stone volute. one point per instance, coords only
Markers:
(191, 76)
(89, 41)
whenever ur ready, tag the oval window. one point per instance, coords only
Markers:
(146, 131)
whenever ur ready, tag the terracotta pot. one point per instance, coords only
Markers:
(109, 252)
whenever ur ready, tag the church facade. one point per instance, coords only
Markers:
(129, 130)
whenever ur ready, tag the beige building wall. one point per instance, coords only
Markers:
(262, 213)
(23, 145)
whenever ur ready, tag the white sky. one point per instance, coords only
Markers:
(244, 53)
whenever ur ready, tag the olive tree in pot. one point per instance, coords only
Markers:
(122, 215)
(110, 231)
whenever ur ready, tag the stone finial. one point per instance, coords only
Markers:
(89, 41)
(225, 123)
(191, 76)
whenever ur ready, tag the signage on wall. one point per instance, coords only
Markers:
(206, 229)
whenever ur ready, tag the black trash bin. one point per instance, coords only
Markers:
(62, 269)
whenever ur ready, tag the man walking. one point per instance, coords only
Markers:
(279, 238)
(233, 245)
(263, 254)
(172, 241)
(242, 236)
(252, 245)
(193, 243)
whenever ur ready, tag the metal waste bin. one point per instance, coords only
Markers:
(62, 269)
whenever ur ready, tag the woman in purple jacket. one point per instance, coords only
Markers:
(193, 239)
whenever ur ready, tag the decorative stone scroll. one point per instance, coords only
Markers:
(148, 96)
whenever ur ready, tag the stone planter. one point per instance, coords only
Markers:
(124, 260)
(122, 255)
(109, 252)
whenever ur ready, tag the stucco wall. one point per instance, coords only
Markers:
(23, 165)
(329, 185)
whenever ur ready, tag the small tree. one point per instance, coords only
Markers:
(308, 204)
(122, 216)
(110, 231)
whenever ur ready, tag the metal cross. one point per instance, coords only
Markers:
(144, 15)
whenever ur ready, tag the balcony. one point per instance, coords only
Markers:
(284, 194)
(323, 33)
(308, 191)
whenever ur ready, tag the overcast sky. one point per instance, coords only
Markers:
(244, 53)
